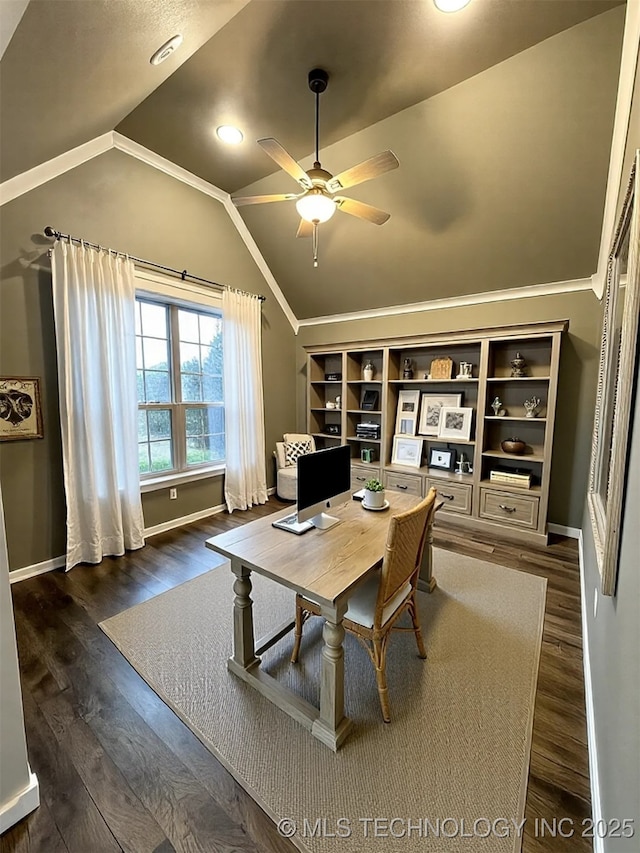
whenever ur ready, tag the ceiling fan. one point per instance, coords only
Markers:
(318, 201)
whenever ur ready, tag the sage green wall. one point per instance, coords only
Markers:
(116, 201)
(576, 387)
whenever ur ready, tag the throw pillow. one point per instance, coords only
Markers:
(293, 449)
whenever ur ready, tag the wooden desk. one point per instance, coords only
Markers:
(325, 565)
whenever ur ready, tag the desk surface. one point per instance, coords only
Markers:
(325, 564)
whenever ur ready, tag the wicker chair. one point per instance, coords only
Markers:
(377, 604)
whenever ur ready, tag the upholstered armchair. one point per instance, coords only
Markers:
(286, 455)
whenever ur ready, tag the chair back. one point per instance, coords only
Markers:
(403, 550)
(281, 461)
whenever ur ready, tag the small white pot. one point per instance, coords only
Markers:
(373, 500)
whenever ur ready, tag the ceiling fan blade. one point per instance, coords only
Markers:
(305, 229)
(361, 210)
(273, 148)
(262, 199)
(371, 168)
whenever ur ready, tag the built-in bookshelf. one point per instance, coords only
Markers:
(354, 393)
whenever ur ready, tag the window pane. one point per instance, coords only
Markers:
(139, 363)
(161, 459)
(140, 382)
(191, 388)
(154, 320)
(212, 389)
(194, 421)
(156, 354)
(196, 452)
(157, 387)
(210, 328)
(143, 435)
(188, 324)
(143, 457)
(159, 423)
(190, 358)
(138, 321)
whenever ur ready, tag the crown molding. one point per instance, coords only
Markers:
(626, 83)
(532, 291)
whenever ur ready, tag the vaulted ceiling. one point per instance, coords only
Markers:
(501, 117)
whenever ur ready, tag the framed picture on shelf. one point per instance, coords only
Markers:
(430, 408)
(406, 451)
(20, 409)
(369, 400)
(407, 414)
(442, 457)
(455, 423)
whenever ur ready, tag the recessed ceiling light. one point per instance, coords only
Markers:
(229, 134)
(451, 5)
(166, 50)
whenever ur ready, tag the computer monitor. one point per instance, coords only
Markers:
(324, 481)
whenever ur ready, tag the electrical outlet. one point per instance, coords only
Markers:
(173, 494)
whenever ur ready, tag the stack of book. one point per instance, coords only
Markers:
(504, 477)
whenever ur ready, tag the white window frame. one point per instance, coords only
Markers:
(163, 289)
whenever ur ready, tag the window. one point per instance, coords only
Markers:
(180, 391)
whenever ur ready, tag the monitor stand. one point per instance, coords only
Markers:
(323, 521)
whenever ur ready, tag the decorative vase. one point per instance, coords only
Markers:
(368, 371)
(513, 445)
(518, 365)
(407, 372)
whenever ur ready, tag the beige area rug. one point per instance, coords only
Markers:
(447, 774)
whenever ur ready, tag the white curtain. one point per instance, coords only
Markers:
(94, 305)
(245, 480)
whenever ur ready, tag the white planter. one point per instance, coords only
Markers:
(373, 500)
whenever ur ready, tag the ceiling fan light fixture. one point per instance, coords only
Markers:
(451, 5)
(315, 206)
(229, 134)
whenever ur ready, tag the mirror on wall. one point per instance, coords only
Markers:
(618, 363)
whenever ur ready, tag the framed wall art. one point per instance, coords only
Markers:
(442, 457)
(407, 414)
(406, 451)
(430, 408)
(20, 408)
(455, 423)
(616, 377)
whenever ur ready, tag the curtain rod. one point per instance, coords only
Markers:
(51, 232)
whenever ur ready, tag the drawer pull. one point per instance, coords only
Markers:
(361, 479)
(398, 486)
(507, 508)
(446, 497)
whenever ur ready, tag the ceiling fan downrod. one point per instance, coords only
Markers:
(318, 80)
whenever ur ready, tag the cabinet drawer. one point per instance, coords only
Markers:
(519, 510)
(408, 484)
(361, 473)
(456, 496)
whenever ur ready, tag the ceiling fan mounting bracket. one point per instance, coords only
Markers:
(318, 80)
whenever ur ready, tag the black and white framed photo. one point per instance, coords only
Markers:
(407, 414)
(455, 423)
(20, 408)
(442, 457)
(407, 451)
(430, 407)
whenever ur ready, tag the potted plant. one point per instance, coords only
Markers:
(373, 494)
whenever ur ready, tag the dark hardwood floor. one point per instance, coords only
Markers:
(119, 771)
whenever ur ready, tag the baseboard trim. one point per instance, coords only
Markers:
(20, 806)
(561, 530)
(594, 778)
(184, 519)
(37, 569)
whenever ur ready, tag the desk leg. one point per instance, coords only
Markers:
(332, 726)
(243, 642)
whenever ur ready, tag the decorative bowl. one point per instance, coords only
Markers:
(513, 445)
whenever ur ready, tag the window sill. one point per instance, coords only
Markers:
(167, 480)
